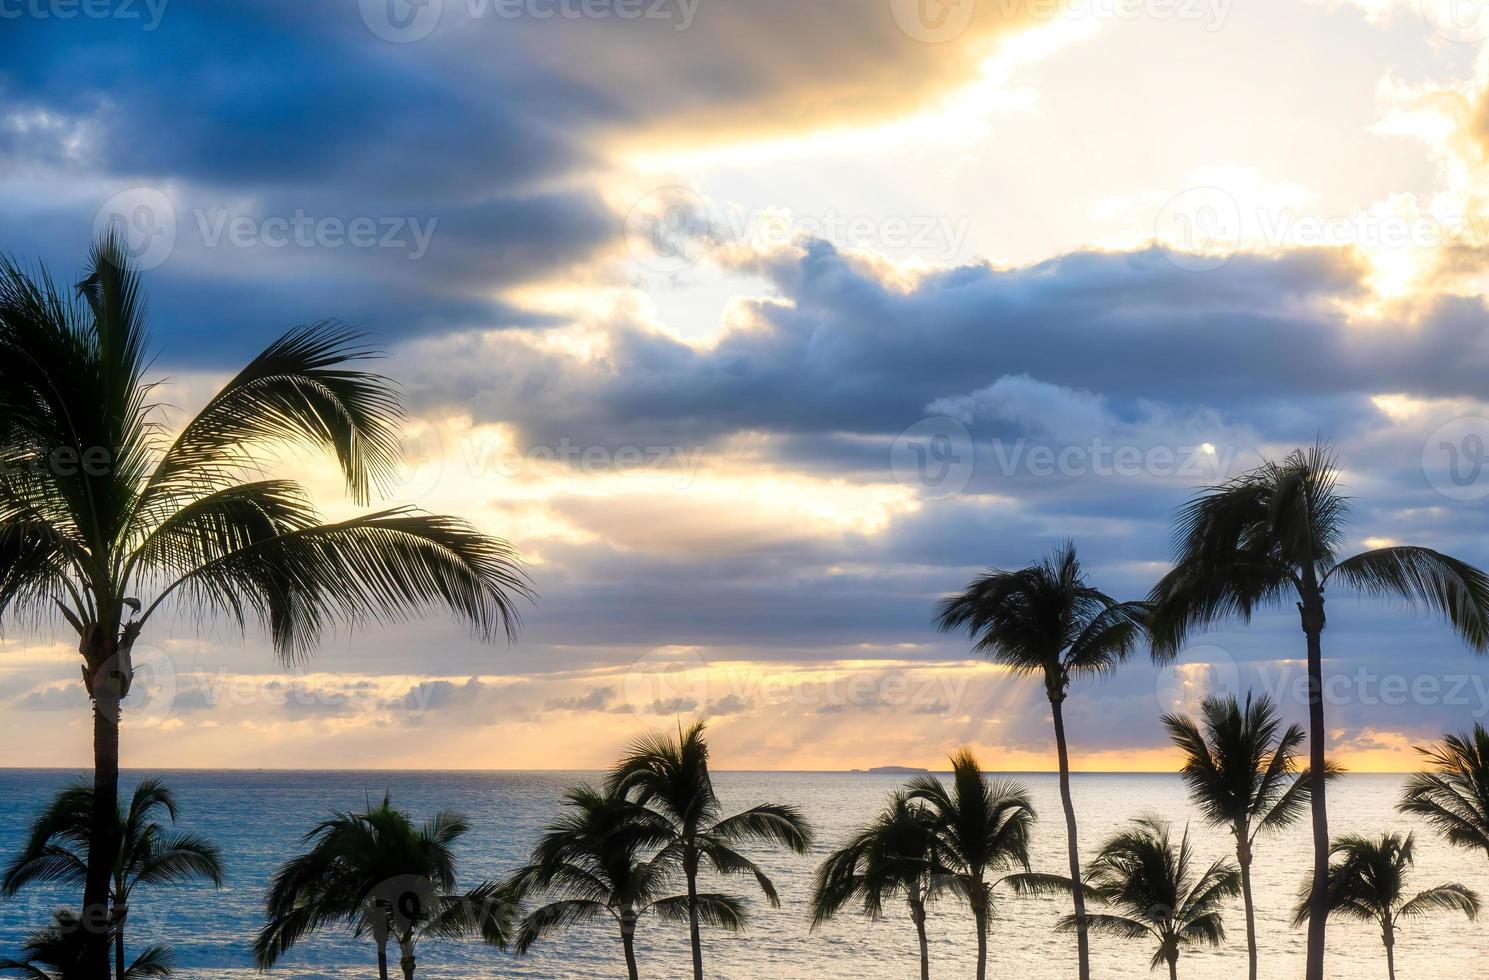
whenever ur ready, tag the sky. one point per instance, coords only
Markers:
(760, 325)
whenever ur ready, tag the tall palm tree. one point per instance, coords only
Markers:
(56, 953)
(981, 828)
(607, 856)
(1453, 794)
(1273, 534)
(893, 856)
(380, 875)
(1048, 621)
(149, 854)
(1242, 775)
(105, 516)
(1368, 883)
(1157, 892)
(671, 775)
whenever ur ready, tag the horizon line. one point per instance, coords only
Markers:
(913, 771)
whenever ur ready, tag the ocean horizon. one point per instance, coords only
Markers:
(258, 816)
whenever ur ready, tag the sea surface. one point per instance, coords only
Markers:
(257, 819)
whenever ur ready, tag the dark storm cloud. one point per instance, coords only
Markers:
(840, 351)
(490, 131)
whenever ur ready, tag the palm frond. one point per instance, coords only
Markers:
(1456, 589)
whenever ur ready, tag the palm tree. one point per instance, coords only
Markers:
(1047, 620)
(59, 948)
(1152, 884)
(893, 856)
(1241, 774)
(149, 854)
(104, 516)
(980, 828)
(1453, 794)
(378, 874)
(1273, 534)
(1368, 882)
(672, 776)
(607, 856)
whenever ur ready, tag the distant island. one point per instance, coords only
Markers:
(893, 770)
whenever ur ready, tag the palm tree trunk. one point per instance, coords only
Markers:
(121, 912)
(628, 941)
(690, 868)
(1312, 611)
(917, 915)
(406, 957)
(1389, 935)
(103, 833)
(1243, 859)
(1173, 968)
(382, 959)
(1082, 944)
(979, 915)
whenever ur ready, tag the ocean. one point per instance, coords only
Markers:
(258, 817)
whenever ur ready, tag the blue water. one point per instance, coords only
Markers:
(257, 819)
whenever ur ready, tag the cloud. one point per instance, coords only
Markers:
(598, 699)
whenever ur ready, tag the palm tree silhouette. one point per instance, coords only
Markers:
(671, 774)
(149, 854)
(1157, 893)
(980, 828)
(378, 874)
(1367, 883)
(607, 856)
(1047, 620)
(893, 856)
(1241, 774)
(1453, 794)
(100, 506)
(56, 953)
(1275, 533)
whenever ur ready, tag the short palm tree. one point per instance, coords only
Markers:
(56, 953)
(1157, 892)
(1367, 883)
(380, 875)
(893, 856)
(1242, 775)
(1453, 793)
(149, 854)
(106, 516)
(1272, 535)
(1048, 621)
(980, 828)
(607, 856)
(672, 776)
